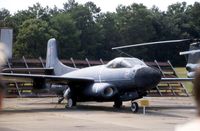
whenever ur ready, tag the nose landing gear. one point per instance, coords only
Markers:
(134, 105)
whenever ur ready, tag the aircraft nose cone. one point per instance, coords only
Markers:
(147, 78)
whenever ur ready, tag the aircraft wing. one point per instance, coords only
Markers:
(48, 78)
(25, 70)
(168, 80)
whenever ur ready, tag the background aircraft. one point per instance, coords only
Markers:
(122, 79)
(193, 58)
(193, 53)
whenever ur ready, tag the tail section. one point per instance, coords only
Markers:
(52, 60)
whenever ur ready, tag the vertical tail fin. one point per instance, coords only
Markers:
(52, 60)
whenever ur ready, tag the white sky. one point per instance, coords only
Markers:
(105, 5)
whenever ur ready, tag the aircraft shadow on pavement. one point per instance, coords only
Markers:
(155, 111)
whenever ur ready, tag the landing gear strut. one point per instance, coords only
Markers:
(60, 100)
(71, 101)
(117, 104)
(134, 106)
(70, 97)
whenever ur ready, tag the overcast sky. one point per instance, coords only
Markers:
(106, 5)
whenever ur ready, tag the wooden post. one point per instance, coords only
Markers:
(86, 59)
(1, 91)
(1, 99)
(2, 88)
(72, 60)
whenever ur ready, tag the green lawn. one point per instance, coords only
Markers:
(181, 71)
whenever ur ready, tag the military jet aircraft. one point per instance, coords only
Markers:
(193, 58)
(121, 79)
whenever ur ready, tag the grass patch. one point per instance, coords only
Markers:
(182, 73)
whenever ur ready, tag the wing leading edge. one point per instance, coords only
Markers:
(48, 78)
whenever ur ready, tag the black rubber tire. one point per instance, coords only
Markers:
(134, 107)
(70, 103)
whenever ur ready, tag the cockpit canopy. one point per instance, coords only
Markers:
(124, 62)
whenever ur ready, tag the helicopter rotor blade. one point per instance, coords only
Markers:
(189, 52)
(151, 43)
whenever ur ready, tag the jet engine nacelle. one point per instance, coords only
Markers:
(104, 90)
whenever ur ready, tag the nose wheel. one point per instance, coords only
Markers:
(134, 107)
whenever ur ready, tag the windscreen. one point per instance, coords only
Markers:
(134, 61)
(124, 63)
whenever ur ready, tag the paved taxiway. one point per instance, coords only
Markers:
(43, 114)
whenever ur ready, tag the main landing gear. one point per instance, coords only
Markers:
(70, 97)
(70, 102)
(60, 100)
(134, 106)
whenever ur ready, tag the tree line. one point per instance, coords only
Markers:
(82, 30)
